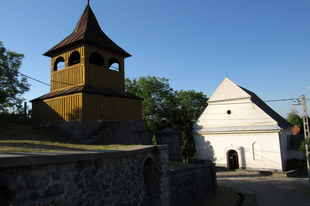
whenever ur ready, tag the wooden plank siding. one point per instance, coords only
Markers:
(59, 108)
(86, 73)
(94, 107)
(103, 76)
(99, 107)
(69, 76)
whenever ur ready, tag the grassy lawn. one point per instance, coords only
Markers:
(22, 137)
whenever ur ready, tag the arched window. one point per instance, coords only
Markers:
(257, 151)
(114, 65)
(75, 58)
(59, 64)
(96, 58)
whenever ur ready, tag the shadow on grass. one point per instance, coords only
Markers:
(224, 197)
(24, 147)
(23, 131)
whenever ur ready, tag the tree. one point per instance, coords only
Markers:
(191, 106)
(12, 86)
(163, 107)
(194, 102)
(294, 118)
(159, 101)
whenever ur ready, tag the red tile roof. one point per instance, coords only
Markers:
(88, 31)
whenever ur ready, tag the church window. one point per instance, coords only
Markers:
(59, 64)
(75, 58)
(257, 152)
(114, 65)
(96, 58)
(228, 112)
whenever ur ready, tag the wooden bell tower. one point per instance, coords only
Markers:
(87, 78)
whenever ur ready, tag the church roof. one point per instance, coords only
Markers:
(88, 31)
(88, 89)
(283, 123)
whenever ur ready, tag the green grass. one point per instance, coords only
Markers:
(22, 137)
(178, 165)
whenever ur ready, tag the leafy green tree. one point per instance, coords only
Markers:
(159, 101)
(12, 86)
(194, 102)
(294, 118)
(163, 107)
(191, 104)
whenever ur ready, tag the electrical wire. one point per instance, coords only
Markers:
(274, 100)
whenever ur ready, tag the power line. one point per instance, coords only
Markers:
(274, 100)
(33, 78)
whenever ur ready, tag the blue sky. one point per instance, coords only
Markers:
(263, 46)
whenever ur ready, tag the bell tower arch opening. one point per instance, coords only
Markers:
(96, 59)
(59, 64)
(75, 58)
(114, 65)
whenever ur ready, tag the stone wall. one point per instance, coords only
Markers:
(135, 176)
(191, 184)
(171, 138)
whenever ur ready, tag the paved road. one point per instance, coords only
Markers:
(268, 190)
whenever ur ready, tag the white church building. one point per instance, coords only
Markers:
(238, 130)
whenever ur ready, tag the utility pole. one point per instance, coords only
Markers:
(306, 131)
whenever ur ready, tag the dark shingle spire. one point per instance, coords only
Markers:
(88, 31)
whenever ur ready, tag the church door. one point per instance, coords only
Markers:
(233, 162)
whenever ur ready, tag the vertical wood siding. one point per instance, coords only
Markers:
(69, 107)
(94, 107)
(60, 108)
(98, 107)
(103, 76)
(69, 76)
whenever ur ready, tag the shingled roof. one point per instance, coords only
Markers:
(283, 123)
(88, 89)
(88, 31)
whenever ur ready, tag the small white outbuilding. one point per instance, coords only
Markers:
(238, 130)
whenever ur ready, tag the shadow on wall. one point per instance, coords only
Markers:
(210, 150)
(151, 183)
(205, 149)
(242, 158)
(75, 114)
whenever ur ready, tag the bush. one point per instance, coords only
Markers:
(292, 164)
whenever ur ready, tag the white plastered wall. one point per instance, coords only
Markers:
(216, 147)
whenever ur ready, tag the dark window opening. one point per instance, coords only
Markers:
(228, 112)
(75, 58)
(96, 58)
(59, 64)
(114, 65)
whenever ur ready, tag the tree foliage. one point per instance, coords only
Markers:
(12, 86)
(294, 118)
(163, 107)
(194, 102)
(159, 99)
